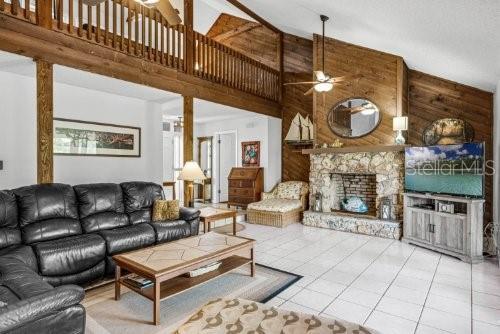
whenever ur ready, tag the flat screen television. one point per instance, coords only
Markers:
(446, 169)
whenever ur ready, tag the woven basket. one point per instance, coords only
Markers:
(276, 219)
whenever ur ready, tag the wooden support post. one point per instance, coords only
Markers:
(188, 37)
(188, 139)
(44, 13)
(45, 110)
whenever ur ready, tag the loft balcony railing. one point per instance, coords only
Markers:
(131, 28)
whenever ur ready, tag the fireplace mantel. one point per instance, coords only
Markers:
(355, 149)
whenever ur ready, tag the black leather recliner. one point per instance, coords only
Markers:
(55, 239)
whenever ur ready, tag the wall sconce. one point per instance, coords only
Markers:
(400, 124)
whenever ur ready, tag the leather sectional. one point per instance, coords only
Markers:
(56, 239)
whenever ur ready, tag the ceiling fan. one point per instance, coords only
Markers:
(324, 82)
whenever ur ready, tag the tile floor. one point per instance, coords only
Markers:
(384, 284)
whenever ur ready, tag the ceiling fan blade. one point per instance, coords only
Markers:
(320, 76)
(301, 83)
(168, 12)
(309, 91)
(347, 77)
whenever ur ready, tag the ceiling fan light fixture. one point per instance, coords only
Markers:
(323, 87)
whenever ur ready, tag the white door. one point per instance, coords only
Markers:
(226, 148)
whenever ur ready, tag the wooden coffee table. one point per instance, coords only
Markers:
(209, 215)
(165, 264)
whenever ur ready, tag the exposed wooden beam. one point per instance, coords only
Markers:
(45, 110)
(256, 17)
(236, 31)
(27, 39)
(188, 118)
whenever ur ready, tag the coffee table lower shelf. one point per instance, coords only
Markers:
(182, 283)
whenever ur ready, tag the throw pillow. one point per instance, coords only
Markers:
(165, 210)
(289, 190)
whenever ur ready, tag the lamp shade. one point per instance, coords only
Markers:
(400, 123)
(191, 171)
(323, 87)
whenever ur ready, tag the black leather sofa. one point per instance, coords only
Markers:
(56, 239)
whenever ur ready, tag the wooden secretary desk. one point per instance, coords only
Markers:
(246, 185)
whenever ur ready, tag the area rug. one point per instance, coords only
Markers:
(132, 314)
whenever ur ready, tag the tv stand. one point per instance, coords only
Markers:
(458, 232)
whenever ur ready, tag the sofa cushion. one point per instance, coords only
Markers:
(47, 212)
(139, 198)
(9, 230)
(81, 278)
(21, 253)
(69, 255)
(100, 206)
(276, 205)
(291, 189)
(128, 238)
(171, 230)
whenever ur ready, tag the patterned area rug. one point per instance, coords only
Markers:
(133, 313)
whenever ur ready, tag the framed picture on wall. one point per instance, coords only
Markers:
(73, 137)
(250, 154)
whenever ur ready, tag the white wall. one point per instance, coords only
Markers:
(89, 105)
(267, 130)
(18, 134)
(17, 130)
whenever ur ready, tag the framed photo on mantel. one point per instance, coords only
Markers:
(73, 137)
(250, 154)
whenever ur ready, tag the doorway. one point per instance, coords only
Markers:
(226, 158)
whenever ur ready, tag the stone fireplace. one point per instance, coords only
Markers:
(371, 176)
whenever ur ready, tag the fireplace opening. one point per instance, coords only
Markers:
(350, 188)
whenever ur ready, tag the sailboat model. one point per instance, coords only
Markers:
(301, 131)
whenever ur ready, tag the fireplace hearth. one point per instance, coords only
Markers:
(373, 177)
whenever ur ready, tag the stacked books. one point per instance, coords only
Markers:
(138, 281)
(204, 270)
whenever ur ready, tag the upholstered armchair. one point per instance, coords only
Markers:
(281, 206)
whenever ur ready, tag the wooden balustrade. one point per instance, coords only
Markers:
(131, 28)
(18, 8)
(218, 63)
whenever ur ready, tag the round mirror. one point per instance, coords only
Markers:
(354, 117)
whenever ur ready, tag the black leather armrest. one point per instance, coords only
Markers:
(189, 213)
(37, 307)
(192, 216)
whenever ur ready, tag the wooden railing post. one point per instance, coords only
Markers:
(45, 110)
(44, 13)
(188, 37)
(187, 139)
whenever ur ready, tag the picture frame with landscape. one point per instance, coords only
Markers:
(83, 138)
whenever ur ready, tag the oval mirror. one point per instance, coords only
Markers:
(354, 117)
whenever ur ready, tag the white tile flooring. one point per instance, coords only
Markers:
(384, 284)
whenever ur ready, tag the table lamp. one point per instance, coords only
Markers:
(400, 124)
(191, 172)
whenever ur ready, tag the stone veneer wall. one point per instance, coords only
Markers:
(388, 168)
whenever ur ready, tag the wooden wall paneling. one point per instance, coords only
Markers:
(45, 110)
(432, 98)
(298, 65)
(380, 83)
